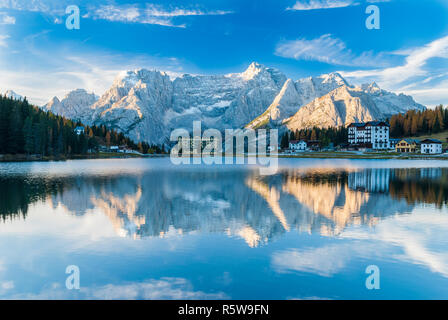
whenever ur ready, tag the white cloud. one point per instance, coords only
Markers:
(150, 15)
(46, 6)
(7, 285)
(328, 50)
(5, 19)
(65, 71)
(163, 289)
(419, 235)
(305, 5)
(321, 4)
(325, 261)
(130, 13)
(3, 41)
(416, 76)
(151, 289)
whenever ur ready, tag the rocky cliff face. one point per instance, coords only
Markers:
(148, 105)
(345, 105)
(294, 95)
(74, 105)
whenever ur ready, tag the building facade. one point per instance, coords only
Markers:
(431, 146)
(408, 146)
(296, 145)
(370, 135)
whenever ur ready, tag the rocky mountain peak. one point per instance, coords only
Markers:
(147, 105)
(12, 95)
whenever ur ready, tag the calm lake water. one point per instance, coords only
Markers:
(146, 229)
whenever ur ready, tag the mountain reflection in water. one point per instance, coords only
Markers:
(239, 203)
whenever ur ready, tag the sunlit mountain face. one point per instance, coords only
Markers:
(238, 203)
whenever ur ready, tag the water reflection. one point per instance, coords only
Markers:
(238, 203)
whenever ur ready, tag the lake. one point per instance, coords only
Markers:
(146, 229)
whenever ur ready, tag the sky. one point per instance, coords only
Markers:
(41, 58)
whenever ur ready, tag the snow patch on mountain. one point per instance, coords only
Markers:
(12, 95)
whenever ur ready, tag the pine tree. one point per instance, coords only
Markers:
(28, 135)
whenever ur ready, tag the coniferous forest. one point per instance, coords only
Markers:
(325, 136)
(417, 123)
(28, 130)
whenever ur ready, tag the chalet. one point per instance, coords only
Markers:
(297, 146)
(431, 146)
(408, 146)
(369, 135)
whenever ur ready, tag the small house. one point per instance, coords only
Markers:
(431, 146)
(297, 145)
(408, 146)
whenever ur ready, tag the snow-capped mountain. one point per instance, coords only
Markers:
(74, 105)
(345, 105)
(12, 95)
(148, 105)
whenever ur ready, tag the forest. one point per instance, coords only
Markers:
(337, 136)
(26, 129)
(416, 123)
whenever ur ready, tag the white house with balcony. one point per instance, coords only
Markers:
(431, 146)
(298, 145)
(369, 135)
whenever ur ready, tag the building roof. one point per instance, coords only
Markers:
(377, 124)
(357, 124)
(411, 141)
(369, 124)
(432, 141)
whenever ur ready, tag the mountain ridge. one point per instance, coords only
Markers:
(147, 105)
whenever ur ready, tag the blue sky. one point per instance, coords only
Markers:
(41, 58)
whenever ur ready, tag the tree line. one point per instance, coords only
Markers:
(417, 123)
(26, 129)
(325, 136)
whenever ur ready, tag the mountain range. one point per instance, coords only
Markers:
(147, 105)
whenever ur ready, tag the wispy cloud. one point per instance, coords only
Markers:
(305, 5)
(46, 6)
(6, 19)
(151, 14)
(328, 50)
(3, 40)
(417, 75)
(151, 289)
(321, 4)
(109, 11)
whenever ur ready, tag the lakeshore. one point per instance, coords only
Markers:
(93, 156)
(302, 155)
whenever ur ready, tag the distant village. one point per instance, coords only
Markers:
(364, 137)
(371, 136)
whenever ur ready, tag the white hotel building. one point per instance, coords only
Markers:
(369, 135)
